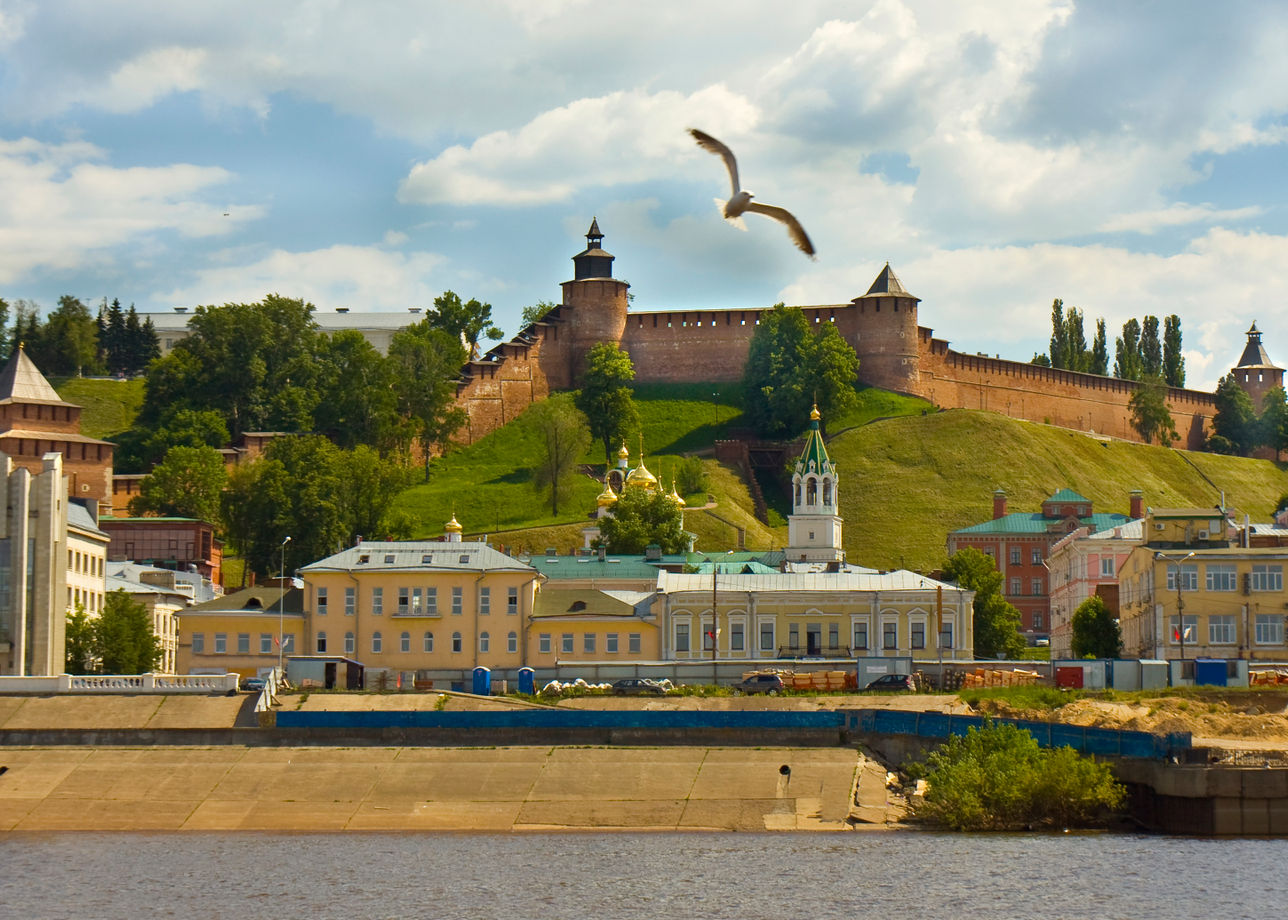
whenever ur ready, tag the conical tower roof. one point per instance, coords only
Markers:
(814, 458)
(22, 382)
(1254, 353)
(887, 284)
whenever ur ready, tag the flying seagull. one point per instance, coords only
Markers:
(741, 200)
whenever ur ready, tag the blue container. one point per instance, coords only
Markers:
(1210, 671)
(527, 681)
(482, 682)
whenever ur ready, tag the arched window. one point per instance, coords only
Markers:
(404, 642)
(456, 642)
(811, 491)
(827, 491)
(429, 642)
(798, 492)
(322, 643)
(484, 642)
(512, 642)
(348, 643)
(377, 643)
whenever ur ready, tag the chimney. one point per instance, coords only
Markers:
(999, 504)
(1137, 504)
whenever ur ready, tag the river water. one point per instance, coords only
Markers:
(885, 875)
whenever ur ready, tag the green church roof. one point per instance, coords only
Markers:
(814, 458)
(1067, 495)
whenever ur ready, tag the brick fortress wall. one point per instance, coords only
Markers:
(710, 346)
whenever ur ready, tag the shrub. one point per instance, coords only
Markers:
(998, 778)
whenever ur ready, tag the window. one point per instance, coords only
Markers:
(681, 637)
(288, 642)
(861, 635)
(794, 635)
(221, 643)
(737, 637)
(243, 643)
(1037, 557)
(456, 642)
(321, 643)
(266, 643)
(919, 635)
(485, 601)
(1035, 587)
(350, 601)
(431, 602)
(512, 642)
(767, 636)
(1191, 630)
(989, 551)
(1221, 630)
(633, 643)
(1015, 555)
(1221, 578)
(1037, 619)
(1267, 578)
(890, 635)
(946, 635)
(708, 635)
(1189, 578)
(377, 602)
(485, 642)
(610, 643)
(543, 643)
(404, 642)
(321, 602)
(198, 643)
(349, 643)
(1106, 566)
(565, 643)
(418, 602)
(588, 643)
(1270, 630)
(456, 602)
(1017, 585)
(404, 602)
(427, 642)
(377, 642)
(512, 600)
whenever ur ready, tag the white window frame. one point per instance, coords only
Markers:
(458, 601)
(377, 602)
(485, 601)
(1222, 629)
(427, 642)
(322, 604)
(1269, 629)
(350, 601)
(198, 643)
(1221, 577)
(1267, 577)
(404, 641)
(512, 642)
(377, 643)
(543, 643)
(221, 643)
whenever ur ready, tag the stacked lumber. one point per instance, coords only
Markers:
(1000, 677)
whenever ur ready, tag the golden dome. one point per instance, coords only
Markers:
(640, 477)
(814, 414)
(623, 453)
(675, 496)
(452, 526)
(606, 497)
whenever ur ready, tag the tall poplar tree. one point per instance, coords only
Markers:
(1151, 349)
(1173, 359)
(1100, 351)
(1127, 352)
(1059, 349)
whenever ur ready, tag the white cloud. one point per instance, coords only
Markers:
(1175, 216)
(361, 277)
(60, 207)
(156, 73)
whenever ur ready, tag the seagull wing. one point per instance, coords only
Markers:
(711, 145)
(794, 228)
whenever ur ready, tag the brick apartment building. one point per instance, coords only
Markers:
(1020, 542)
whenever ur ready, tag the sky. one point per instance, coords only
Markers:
(1126, 158)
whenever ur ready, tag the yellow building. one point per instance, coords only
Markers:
(441, 608)
(239, 632)
(1187, 593)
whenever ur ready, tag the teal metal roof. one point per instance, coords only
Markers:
(637, 567)
(1035, 522)
(1068, 495)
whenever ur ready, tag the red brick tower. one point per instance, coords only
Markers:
(594, 303)
(1255, 372)
(882, 327)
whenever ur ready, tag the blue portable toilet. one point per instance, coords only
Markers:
(527, 681)
(482, 682)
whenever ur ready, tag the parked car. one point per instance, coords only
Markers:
(637, 685)
(253, 684)
(893, 682)
(760, 683)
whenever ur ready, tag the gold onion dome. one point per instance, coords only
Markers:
(641, 477)
(623, 453)
(606, 497)
(453, 526)
(675, 496)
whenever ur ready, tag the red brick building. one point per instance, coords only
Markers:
(167, 542)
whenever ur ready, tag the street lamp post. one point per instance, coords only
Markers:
(1180, 605)
(281, 605)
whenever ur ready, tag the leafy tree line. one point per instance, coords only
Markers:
(997, 622)
(120, 640)
(1239, 428)
(72, 341)
(1140, 353)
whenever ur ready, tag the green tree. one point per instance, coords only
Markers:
(1127, 352)
(427, 363)
(536, 312)
(249, 509)
(80, 643)
(358, 399)
(369, 485)
(996, 620)
(1100, 351)
(467, 321)
(70, 340)
(1077, 357)
(1273, 423)
(1235, 418)
(1173, 356)
(641, 518)
(691, 475)
(791, 366)
(1149, 413)
(605, 396)
(187, 483)
(126, 643)
(1059, 347)
(1040, 360)
(139, 449)
(998, 778)
(1151, 349)
(562, 438)
(4, 321)
(1096, 634)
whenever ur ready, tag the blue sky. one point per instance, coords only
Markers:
(1127, 158)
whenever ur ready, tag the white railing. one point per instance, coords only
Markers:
(120, 683)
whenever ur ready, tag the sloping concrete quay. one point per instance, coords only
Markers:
(230, 787)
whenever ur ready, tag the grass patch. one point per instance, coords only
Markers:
(110, 406)
(1034, 697)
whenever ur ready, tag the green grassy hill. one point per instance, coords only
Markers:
(905, 483)
(110, 405)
